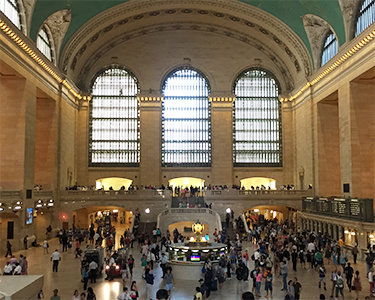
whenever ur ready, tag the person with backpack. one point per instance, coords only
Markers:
(334, 280)
(297, 288)
(349, 272)
(322, 276)
(318, 258)
(220, 275)
(269, 278)
(339, 285)
(239, 276)
(252, 276)
(343, 261)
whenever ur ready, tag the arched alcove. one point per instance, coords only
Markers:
(255, 182)
(115, 182)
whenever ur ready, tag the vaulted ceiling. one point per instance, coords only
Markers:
(288, 11)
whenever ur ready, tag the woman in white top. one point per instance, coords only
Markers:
(76, 296)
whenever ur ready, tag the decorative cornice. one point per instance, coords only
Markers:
(362, 42)
(12, 35)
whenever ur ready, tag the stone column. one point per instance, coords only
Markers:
(345, 137)
(222, 139)
(82, 144)
(150, 137)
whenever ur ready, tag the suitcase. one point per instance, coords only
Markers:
(214, 285)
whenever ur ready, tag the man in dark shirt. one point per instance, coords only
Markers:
(349, 271)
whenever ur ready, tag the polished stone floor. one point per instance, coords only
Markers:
(68, 278)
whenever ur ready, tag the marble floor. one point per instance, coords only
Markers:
(68, 278)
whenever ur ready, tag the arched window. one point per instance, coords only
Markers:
(186, 123)
(11, 10)
(366, 16)
(257, 120)
(330, 47)
(43, 43)
(114, 119)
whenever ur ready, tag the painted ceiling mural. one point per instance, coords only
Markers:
(289, 12)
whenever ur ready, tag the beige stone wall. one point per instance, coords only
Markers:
(363, 138)
(304, 144)
(328, 147)
(67, 144)
(45, 143)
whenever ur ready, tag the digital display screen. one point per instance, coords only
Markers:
(222, 253)
(195, 258)
(29, 216)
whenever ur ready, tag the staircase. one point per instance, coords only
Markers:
(146, 227)
(228, 231)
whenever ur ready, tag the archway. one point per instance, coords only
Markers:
(84, 217)
(183, 182)
(258, 183)
(260, 215)
(116, 183)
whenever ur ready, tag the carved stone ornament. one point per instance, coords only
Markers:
(29, 9)
(348, 10)
(316, 29)
(58, 24)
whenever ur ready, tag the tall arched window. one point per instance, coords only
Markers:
(43, 43)
(366, 16)
(11, 10)
(114, 119)
(186, 123)
(257, 120)
(330, 47)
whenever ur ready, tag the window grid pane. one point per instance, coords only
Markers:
(330, 48)
(257, 121)
(10, 9)
(186, 123)
(43, 43)
(114, 120)
(366, 16)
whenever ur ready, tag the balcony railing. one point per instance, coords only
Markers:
(258, 194)
(121, 194)
(351, 209)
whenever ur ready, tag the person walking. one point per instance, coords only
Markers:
(93, 266)
(76, 295)
(258, 282)
(355, 253)
(339, 285)
(322, 276)
(294, 259)
(55, 295)
(90, 294)
(357, 284)
(334, 280)
(25, 241)
(284, 274)
(291, 291)
(149, 276)
(134, 291)
(45, 247)
(9, 249)
(169, 281)
(349, 272)
(55, 258)
(269, 278)
(124, 274)
(85, 277)
(24, 265)
(131, 264)
(297, 289)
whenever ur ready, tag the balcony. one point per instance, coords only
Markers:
(257, 194)
(75, 195)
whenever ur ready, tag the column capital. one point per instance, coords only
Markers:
(150, 100)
